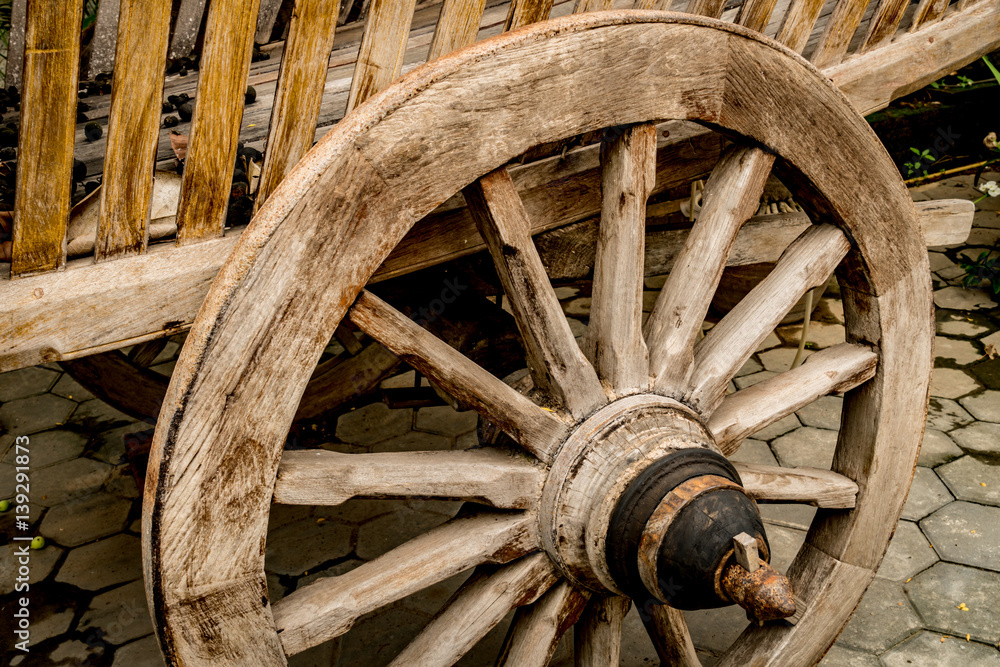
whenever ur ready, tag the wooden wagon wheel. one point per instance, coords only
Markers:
(595, 503)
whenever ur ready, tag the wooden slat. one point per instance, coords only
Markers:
(523, 12)
(592, 5)
(928, 11)
(382, 48)
(45, 149)
(102, 45)
(215, 127)
(457, 26)
(755, 14)
(556, 362)
(614, 339)
(731, 196)
(536, 630)
(807, 263)
(839, 32)
(662, 5)
(479, 606)
(798, 23)
(669, 632)
(535, 429)
(15, 43)
(597, 637)
(322, 477)
(186, 27)
(710, 8)
(328, 607)
(269, 12)
(133, 129)
(884, 22)
(300, 90)
(962, 4)
(811, 486)
(833, 370)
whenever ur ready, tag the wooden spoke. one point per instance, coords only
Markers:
(457, 26)
(839, 31)
(807, 263)
(884, 22)
(328, 607)
(482, 602)
(557, 364)
(383, 45)
(614, 336)
(800, 17)
(536, 630)
(812, 486)
(928, 11)
(668, 630)
(143, 354)
(833, 370)
(533, 428)
(732, 195)
(598, 635)
(321, 477)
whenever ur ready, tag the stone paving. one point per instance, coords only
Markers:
(936, 600)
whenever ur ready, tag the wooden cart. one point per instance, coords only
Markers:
(539, 149)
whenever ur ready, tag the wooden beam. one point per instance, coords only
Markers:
(811, 486)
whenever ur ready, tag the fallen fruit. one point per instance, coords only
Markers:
(4, 505)
(38, 542)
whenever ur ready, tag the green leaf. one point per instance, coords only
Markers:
(996, 72)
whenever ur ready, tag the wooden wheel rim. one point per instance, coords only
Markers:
(238, 381)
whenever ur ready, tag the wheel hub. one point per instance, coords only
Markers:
(640, 501)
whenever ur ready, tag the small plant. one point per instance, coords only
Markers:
(917, 167)
(982, 269)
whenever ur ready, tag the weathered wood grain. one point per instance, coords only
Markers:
(133, 129)
(812, 486)
(755, 14)
(382, 48)
(557, 364)
(328, 607)
(532, 427)
(300, 90)
(102, 44)
(731, 196)
(15, 43)
(710, 8)
(614, 341)
(186, 27)
(597, 636)
(806, 264)
(457, 27)
(523, 12)
(928, 11)
(536, 630)
(839, 32)
(743, 413)
(268, 12)
(669, 632)
(592, 5)
(45, 145)
(215, 126)
(883, 24)
(321, 477)
(797, 23)
(479, 606)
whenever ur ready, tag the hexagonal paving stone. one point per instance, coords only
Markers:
(412, 442)
(379, 637)
(373, 423)
(752, 379)
(84, 519)
(982, 438)
(909, 552)
(841, 656)
(37, 413)
(579, 306)
(446, 420)
(927, 493)
(926, 648)
(984, 407)
(937, 448)
(806, 446)
(144, 652)
(945, 414)
(785, 544)
(988, 372)
(749, 368)
(40, 566)
(98, 565)
(120, 615)
(965, 533)
(51, 447)
(75, 652)
(67, 387)
(820, 335)
(780, 427)
(961, 298)
(951, 383)
(939, 592)
(25, 382)
(715, 629)
(96, 415)
(754, 451)
(960, 327)
(960, 351)
(69, 479)
(304, 545)
(780, 359)
(883, 618)
(822, 413)
(971, 479)
(378, 536)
